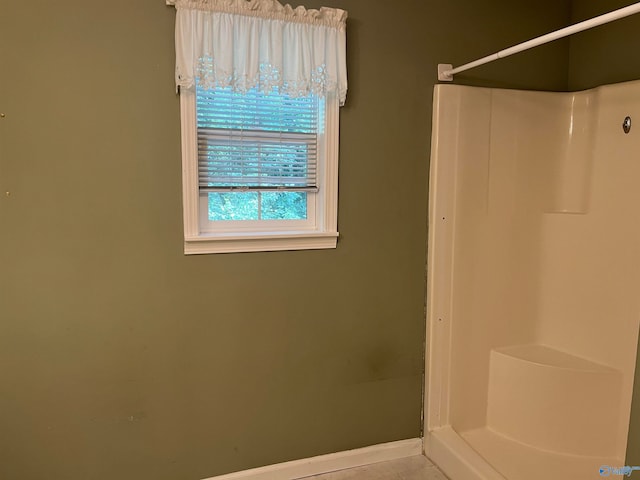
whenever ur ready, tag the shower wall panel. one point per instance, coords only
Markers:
(534, 270)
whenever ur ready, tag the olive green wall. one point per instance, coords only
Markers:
(603, 55)
(122, 358)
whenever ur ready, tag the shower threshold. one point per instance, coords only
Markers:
(517, 461)
(482, 454)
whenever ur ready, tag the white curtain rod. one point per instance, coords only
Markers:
(446, 71)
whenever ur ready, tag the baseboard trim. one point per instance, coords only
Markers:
(330, 463)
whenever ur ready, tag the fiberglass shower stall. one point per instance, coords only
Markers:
(534, 281)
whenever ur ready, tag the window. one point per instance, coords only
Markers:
(259, 132)
(259, 171)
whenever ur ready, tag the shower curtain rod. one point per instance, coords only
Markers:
(446, 71)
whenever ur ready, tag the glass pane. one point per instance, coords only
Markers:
(233, 206)
(284, 206)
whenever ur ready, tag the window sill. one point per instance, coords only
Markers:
(262, 242)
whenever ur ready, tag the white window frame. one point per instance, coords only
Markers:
(320, 233)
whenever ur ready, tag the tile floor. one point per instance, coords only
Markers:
(411, 468)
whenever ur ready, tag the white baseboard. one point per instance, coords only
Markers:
(330, 463)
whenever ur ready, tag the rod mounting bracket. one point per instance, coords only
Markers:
(442, 68)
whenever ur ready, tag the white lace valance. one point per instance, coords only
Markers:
(260, 43)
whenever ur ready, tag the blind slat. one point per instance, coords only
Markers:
(205, 133)
(261, 188)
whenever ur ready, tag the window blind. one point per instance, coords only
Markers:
(256, 140)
